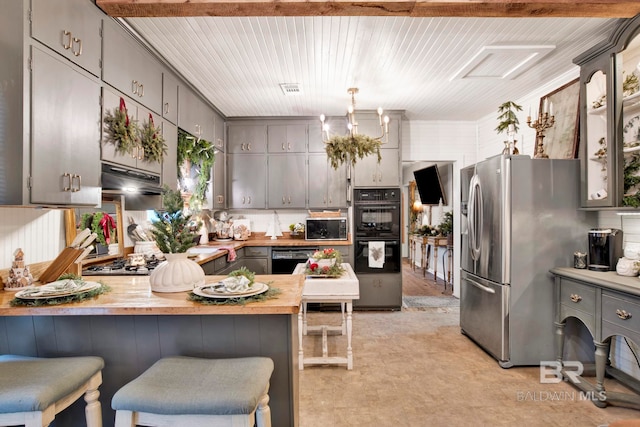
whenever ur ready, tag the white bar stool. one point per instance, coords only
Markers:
(194, 392)
(33, 389)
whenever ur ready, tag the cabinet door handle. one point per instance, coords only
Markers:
(140, 156)
(283, 200)
(79, 186)
(68, 176)
(141, 91)
(79, 42)
(324, 200)
(242, 146)
(243, 200)
(66, 44)
(330, 200)
(249, 146)
(249, 202)
(289, 146)
(575, 298)
(283, 149)
(289, 199)
(166, 108)
(134, 86)
(623, 314)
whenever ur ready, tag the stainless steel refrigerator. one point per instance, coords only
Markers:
(519, 218)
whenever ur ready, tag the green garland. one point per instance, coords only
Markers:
(343, 149)
(152, 141)
(120, 130)
(270, 294)
(199, 153)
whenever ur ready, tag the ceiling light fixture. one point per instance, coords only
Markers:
(352, 124)
(350, 147)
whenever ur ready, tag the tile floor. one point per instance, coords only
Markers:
(415, 368)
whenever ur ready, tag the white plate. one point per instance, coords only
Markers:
(208, 291)
(60, 288)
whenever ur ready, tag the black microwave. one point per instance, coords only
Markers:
(326, 229)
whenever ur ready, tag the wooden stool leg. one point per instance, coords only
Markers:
(263, 413)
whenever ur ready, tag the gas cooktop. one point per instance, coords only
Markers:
(120, 267)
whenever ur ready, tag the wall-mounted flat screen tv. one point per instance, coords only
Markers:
(430, 186)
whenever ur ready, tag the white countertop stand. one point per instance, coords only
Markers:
(343, 290)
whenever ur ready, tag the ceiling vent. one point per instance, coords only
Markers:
(290, 89)
(502, 61)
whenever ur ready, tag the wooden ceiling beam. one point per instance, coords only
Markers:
(416, 8)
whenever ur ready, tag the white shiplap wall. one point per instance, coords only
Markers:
(39, 232)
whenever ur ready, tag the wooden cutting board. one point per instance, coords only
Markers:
(59, 265)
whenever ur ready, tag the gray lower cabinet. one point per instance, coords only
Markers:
(71, 28)
(128, 67)
(327, 186)
(247, 181)
(379, 291)
(65, 137)
(287, 181)
(137, 160)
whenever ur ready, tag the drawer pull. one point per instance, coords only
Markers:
(623, 314)
(576, 298)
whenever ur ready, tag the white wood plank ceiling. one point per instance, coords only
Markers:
(398, 63)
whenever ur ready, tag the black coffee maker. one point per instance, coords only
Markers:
(605, 248)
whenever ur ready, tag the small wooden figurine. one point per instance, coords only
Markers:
(19, 274)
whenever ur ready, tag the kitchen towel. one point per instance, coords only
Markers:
(376, 254)
(231, 252)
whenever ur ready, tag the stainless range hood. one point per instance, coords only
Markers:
(141, 190)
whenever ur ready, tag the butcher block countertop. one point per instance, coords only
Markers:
(259, 239)
(131, 295)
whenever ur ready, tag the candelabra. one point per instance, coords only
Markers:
(542, 123)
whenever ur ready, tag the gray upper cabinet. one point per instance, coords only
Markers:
(287, 181)
(72, 28)
(369, 173)
(287, 138)
(137, 160)
(65, 139)
(219, 129)
(246, 138)
(170, 160)
(371, 126)
(247, 181)
(130, 68)
(327, 186)
(194, 116)
(170, 97)
(217, 193)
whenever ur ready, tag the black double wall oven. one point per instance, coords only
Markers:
(377, 219)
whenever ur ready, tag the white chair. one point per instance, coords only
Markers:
(33, 389)
(194, 392)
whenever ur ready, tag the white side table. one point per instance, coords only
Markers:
(344, 290)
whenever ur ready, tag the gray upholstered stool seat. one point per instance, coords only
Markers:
(33, 389)
(187, 391)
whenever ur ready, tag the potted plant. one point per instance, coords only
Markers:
(325, 262)
(507, 117)
(446, 226)
(296, 230)
(172, 231)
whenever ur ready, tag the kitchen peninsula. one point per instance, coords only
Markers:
(132, 327)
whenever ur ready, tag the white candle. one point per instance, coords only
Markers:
(551, 108)
(545, 107)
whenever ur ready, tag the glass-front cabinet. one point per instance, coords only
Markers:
(610, 120)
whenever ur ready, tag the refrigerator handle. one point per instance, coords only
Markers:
(480, 286)
(475, 217)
